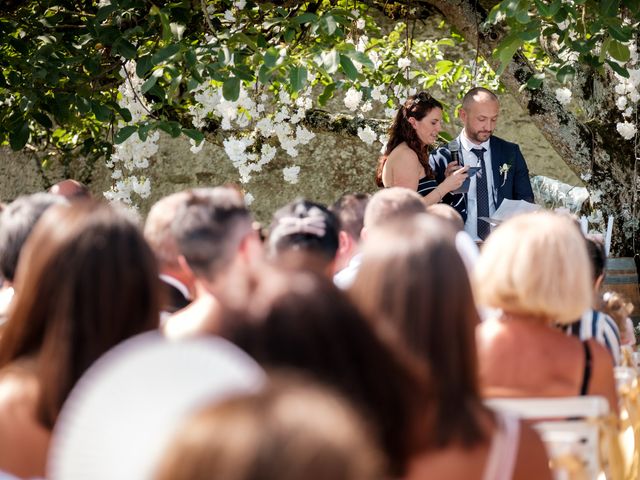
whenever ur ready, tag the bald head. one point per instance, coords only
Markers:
(478, 95)
(479, 114)
(390, 203)
(70, 189)
(447, 213)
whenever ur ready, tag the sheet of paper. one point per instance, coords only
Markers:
(509, 208)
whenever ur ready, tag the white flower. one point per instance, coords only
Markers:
(634, 96)
(563, 95)
(195, 147)
(104, 3)
(303, 135)
(390, 112)
(626, 129)
(177, 30)
(291, 174)
(117, 174)
(628, 112)
(360, 24)
(141, 188)
(228, 16)
(620, 89)
(239, 4)
(596, 217)
(383, 139)
(563, 25)
(235, 149)
(586, 176)
(403, 62)
(352, 98)
(248, 198)
(621, 103)
(267, 153)
(367, 135)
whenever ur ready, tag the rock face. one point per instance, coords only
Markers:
(330, 165)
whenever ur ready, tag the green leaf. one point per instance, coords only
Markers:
(565, 73)
(617, 31)
(19, 136)
(534, 81)
(125, 114)
(144, 65)
(124, 133)
(231, 89)
(618, 51)
(543, 8)
(101, 112)
(523, 17)
(271, 57)
(360, 57)
(171, 127)
(125, 48)
(298, 78)
(305, 18)
(623, 72)
(348, 68)
(506, 50)
(443, 67)
(328, 24)
(554, 7)
(148, 84)
(326, 94)
(609, 8)
(492, 18)
(42, 119)
(165, 53)
(330, 61)
(104, 12)
(193, 134)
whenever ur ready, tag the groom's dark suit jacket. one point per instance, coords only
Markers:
(516, 185)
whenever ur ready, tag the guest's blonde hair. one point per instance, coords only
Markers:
(535, 265)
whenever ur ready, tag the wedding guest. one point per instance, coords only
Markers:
(594, 323)
(16, 222)
(300, 320)
(214, 233)
(413, 283)
(504, 172)
(177, 280)
(405, 162)
(534, 269)
(86, 280)
(383, 206)
(620, 309)
(349, 209)
(289, 431)
(467, 248)
(304, 234)
(71, 190)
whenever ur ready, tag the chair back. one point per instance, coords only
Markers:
(573, 430)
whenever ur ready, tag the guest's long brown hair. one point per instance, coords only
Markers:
(86, 281)
(417, 106)
(414, 283)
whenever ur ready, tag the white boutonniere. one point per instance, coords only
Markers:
(504, 169)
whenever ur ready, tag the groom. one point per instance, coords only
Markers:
(503, 172)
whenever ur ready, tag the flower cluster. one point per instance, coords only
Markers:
(130, 157)
(628, 92)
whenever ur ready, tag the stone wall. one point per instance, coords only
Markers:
(330, 165)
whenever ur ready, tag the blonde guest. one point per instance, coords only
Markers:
(535, 270)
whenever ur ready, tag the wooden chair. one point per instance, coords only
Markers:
(578, 432)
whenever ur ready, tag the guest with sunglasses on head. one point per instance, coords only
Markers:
(405, 162)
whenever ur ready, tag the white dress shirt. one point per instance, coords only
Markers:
(469, 158)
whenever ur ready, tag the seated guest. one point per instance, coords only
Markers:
(271, 435)
(383, 206)
(467, 248)
(414, 284)
(619, 309)
(16, 222)
(86, 280)
(214, 233)
(177, 281)
(71, 190)
(300, 320)
(594, 323)
(349, 209)
(535, 270)
(304, 234)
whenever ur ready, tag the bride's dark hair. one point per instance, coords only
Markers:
(416, 106)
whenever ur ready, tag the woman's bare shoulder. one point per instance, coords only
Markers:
(403, 156)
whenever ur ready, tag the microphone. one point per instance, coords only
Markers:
(454, 148)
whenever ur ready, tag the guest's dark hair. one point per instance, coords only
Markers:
(302, 321)
(86, 281)
(209, 227)
(304, 226)
(16, 222)
(597, 256)
(349, 209)
(414, 283)
(417, 106)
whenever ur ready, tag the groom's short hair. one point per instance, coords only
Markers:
(469, 97)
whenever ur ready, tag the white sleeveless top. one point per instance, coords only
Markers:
(504, 448)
